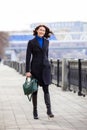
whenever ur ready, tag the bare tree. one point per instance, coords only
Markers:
(4, 38)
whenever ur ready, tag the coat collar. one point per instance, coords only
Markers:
(37, 44)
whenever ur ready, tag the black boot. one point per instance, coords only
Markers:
(34, 101)
(48, 105)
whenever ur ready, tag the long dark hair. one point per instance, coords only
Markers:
(47, 33)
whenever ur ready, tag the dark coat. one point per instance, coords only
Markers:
(37, 61)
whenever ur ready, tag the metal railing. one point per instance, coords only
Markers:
(76, 76)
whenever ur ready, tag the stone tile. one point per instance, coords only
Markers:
(70, 110)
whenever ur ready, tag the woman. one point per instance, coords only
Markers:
(37, 65)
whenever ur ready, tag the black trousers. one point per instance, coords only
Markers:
(45, 90)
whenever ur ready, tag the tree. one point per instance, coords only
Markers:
(4, 41)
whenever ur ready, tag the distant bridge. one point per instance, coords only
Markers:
(64, 40)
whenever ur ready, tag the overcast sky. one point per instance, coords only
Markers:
(19, 14)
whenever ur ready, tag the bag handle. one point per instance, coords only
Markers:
(28, 78)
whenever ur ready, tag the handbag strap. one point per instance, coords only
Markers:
(29, 97)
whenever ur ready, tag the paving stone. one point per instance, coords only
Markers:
(70, 110)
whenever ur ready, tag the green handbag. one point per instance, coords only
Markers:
(29, 87)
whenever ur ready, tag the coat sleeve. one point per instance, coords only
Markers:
(28, 57)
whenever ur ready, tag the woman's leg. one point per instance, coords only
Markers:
(34, 101)
(47, 101)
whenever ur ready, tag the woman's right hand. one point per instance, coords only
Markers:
(28, 74)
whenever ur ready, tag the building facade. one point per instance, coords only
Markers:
(69, 41)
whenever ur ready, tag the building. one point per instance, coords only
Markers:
(69, 40)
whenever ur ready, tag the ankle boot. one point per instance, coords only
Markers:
(35, 114)
(48, 105)
(34, 101)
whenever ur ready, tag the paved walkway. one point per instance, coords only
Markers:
(70, 110)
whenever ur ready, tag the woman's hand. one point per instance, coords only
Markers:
(28, 74)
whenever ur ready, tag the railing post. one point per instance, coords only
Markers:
(79, 76)
(69, 76)
(58, 73)
(64, 75)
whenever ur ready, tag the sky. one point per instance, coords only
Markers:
(19, 14)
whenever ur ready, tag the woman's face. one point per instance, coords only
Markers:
(41, 31)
